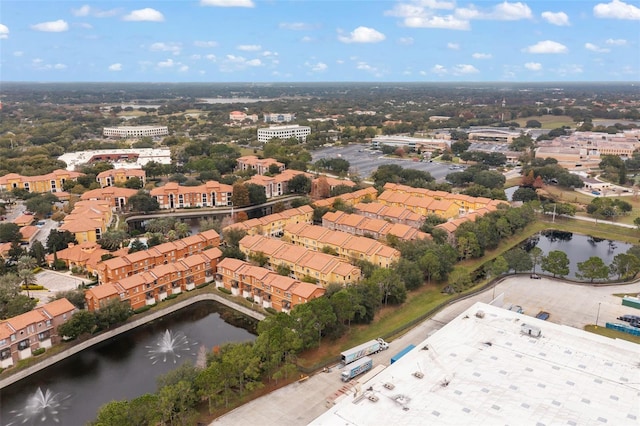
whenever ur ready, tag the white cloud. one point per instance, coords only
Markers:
(307, 39)
(172, 47)
(4, 31)
(616, 10)
(269, 53)
(439, 69)
(147, 14)
(295, 26)
(249, 47)
(18, 53)
(184, 68)
(501, 12)
(211, 57)
(405, 41)
(59, 67)
(199, 43)
(594, 48)
(39, 64)
(465, 69)
(317, 67)
(362, 35)
(86, 10)
(227, 3)
(235, 63)
(444, 22)
(533, 66)
(453, 46)
(83, 11)
(254, 63)
(547, 46)
(115, 67)
(616, 42)
(52, 26)
(363, 66)
(556, 18)
(166, 64)
(482, 56)
(570, 69)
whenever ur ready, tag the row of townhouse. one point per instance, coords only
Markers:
(389, 213)
(346, 246)
(84, 256)
(209, 194)
(51, 182)
(425, 201)
(155, 284)
(378, 229)
(121, 267)
(275, 186)
(451, 226)
(265, 287)
(116, 197)
(323, 268)
(89, 220)
(352, 198)
(260, 165)
(115, 177)
(36, 329)
(273, 225)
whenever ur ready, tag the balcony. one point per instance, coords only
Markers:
(190, 286)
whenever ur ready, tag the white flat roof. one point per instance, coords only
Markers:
(484, 371)
(145, 155)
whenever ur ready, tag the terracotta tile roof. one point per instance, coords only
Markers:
(22, 321)
(103, 291)
(58, 307)
(80, 224)
(108, 192)
(231, 264)
(24, 219)
(306, 290)
(28, 231)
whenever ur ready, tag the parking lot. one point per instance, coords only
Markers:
(54, 282)
(365, 161)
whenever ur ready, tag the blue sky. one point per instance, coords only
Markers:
(309, 41)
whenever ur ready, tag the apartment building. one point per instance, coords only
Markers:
(260, 165)
(85, 256)
(124, 266)
(120, 176)
(352, 198)
(278, 117)
(273, 225)
(209, 194)
(22, 334)
(135, 131)
(278, 185)
(392, 214)
(378, 229)
(88, 220)
(265, 287)
(346, 246)
(323, 268)
(155, 284)
(125, 158)
(116, 197)
(51, 182)
(242, 116)
(265, 134)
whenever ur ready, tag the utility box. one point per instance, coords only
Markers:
(530, 330)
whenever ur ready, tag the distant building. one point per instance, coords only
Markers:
(413, 143)
(114, 177)
(493, 135)
(135, 131)
(284, 132)
(260, 165)
(278, 117)
(51, 182)
(209, 194)
(242, 116)
(115, 196)
(124, 158)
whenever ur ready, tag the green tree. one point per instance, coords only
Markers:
(257, 194)
(625, 266)
(233, 236)
(536, 256)
(409, 273)
(240, 196)
(259, 258)
(518, 260)
(26, 264)
(133, 183)
(137, 245)
(499, 266)
(459, 280)
(9, 232)
(142, 202)
(82, 322)
(76, 297)
(38, 252)
(112, 240)
(12, 302)
(113, 313)
(556, 263)
(299, 184)
(592, 269)
(114, 413)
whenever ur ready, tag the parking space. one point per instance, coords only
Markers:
(54, 282)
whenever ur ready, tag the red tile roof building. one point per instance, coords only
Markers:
(375, 228)
(273, 225)
(260, 165)
(209, 194)
(115, 196)
(51, 182)
(114, 177)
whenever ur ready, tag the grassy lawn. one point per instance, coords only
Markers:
(603, 331)
(549, 121)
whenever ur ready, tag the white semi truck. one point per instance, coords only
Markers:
(362, 365)
(367, 348)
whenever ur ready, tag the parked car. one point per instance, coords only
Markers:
(595, 192)
(535, 276)
(543, 315)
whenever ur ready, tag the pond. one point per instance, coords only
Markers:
(578, 247)
(72, 391)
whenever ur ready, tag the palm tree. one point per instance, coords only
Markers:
(25, 272)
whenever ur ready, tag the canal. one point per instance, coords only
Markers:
(72, 391)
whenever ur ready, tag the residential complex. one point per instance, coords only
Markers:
(379, 229)
(260, 165)
(125, 266)
(115, 177)
(278, 117)
(323, 268)
(51, 182)
(284, 132)
(377, 210)
(273, 225)
(209, 194)
(88, 220)
(135, 131)
(84, 257)
(264, 287)
(124, 158)
(36, 329)
(346, 246)
(154, 284)
(116, 197)
(277, 185)
(351, 198)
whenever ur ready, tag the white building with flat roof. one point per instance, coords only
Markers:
(120, 158)
(275, 117)
(135, 131)
(491, 366)
(284, 132)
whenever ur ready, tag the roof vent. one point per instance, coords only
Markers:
(480, 314)
(373, 398)
(418, 374)
(389, 385)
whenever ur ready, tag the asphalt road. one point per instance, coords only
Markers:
(365, 161)
(568, 304)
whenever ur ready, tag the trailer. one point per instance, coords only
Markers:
(401, 353)
(362, 365)
(367, 348)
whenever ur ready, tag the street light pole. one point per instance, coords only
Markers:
(598, 314)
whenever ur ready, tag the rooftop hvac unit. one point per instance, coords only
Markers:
(530, 330)
(480, 314)
(389, 386)
(418, 374)
(373, 398)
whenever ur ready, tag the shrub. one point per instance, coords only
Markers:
(224, 290)
(271, 311)
(37, 269)
(171, 296)
(38, 351)
(143, 309)
(202, 285)
(250, 299)
(33, 287)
